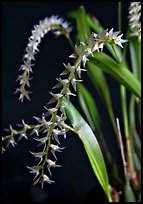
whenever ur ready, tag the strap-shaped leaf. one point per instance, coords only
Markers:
(90, 144)
(118, 71)
(135, 52)
(97, 76)
(82, 25)
(89, 106)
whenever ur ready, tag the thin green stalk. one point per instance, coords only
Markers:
(69, 128)
(118, 58)
(139, 59)
(122, 149)
(133, 131)
(126, 126)
(119, 15)
(70, 42)
(126, 45)
(131, 168)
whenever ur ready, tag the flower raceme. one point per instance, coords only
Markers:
(55, 24)
(134, 19)
(52, 122)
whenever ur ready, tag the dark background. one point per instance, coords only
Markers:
(75, 181)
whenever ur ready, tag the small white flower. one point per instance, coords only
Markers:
(59, 119)
(11, 141)
(11, 130)
(74, 82)
(51, 111)
(62, 82)
(24, 79)
(24, 125)
(27, 66)
(56, 96)
(35, 130)
(44, 179)
(95, 47)
(22, 135)
(113, 37)
(57, 132)
(119, 41)
(35, 170)
(51, 164)
(55, 148)
(69, 69)
(68, 93)
(58, 33)
(41, 140)
(23, 94)
(90, 41)
(43, 121)
(80, 54)
(102, 36)
(38, 155)
(78, 70)
(62, 109)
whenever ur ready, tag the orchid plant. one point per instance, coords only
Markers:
(88, 56)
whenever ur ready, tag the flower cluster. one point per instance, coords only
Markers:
(52, 121)
(134, 19)
(55, 24)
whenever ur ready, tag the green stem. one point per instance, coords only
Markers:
(139, 59)
(136, 141)
(119, 15)
(131, 168)
(69, 127)
(70, 42)
(118, 58)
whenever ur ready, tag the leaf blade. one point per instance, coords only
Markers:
(89, 106)
(90, 144)
(99, 81)
(82, 25)
(118, 71)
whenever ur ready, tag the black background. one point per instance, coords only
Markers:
(75, 180)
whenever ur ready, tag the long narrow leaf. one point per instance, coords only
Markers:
(133, 45)
(89, 106)
(90, 144)
(82, 25)
(118, 71)
(98, 79)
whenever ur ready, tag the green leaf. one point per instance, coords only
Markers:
(134, 46)
(89, 106)
(98, 79)
(82, 25)
(118, 71)
(90, 144)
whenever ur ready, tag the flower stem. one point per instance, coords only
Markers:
(122, 149)
(70, 42)
(118, 58)
(69, 127)
(131, 169)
